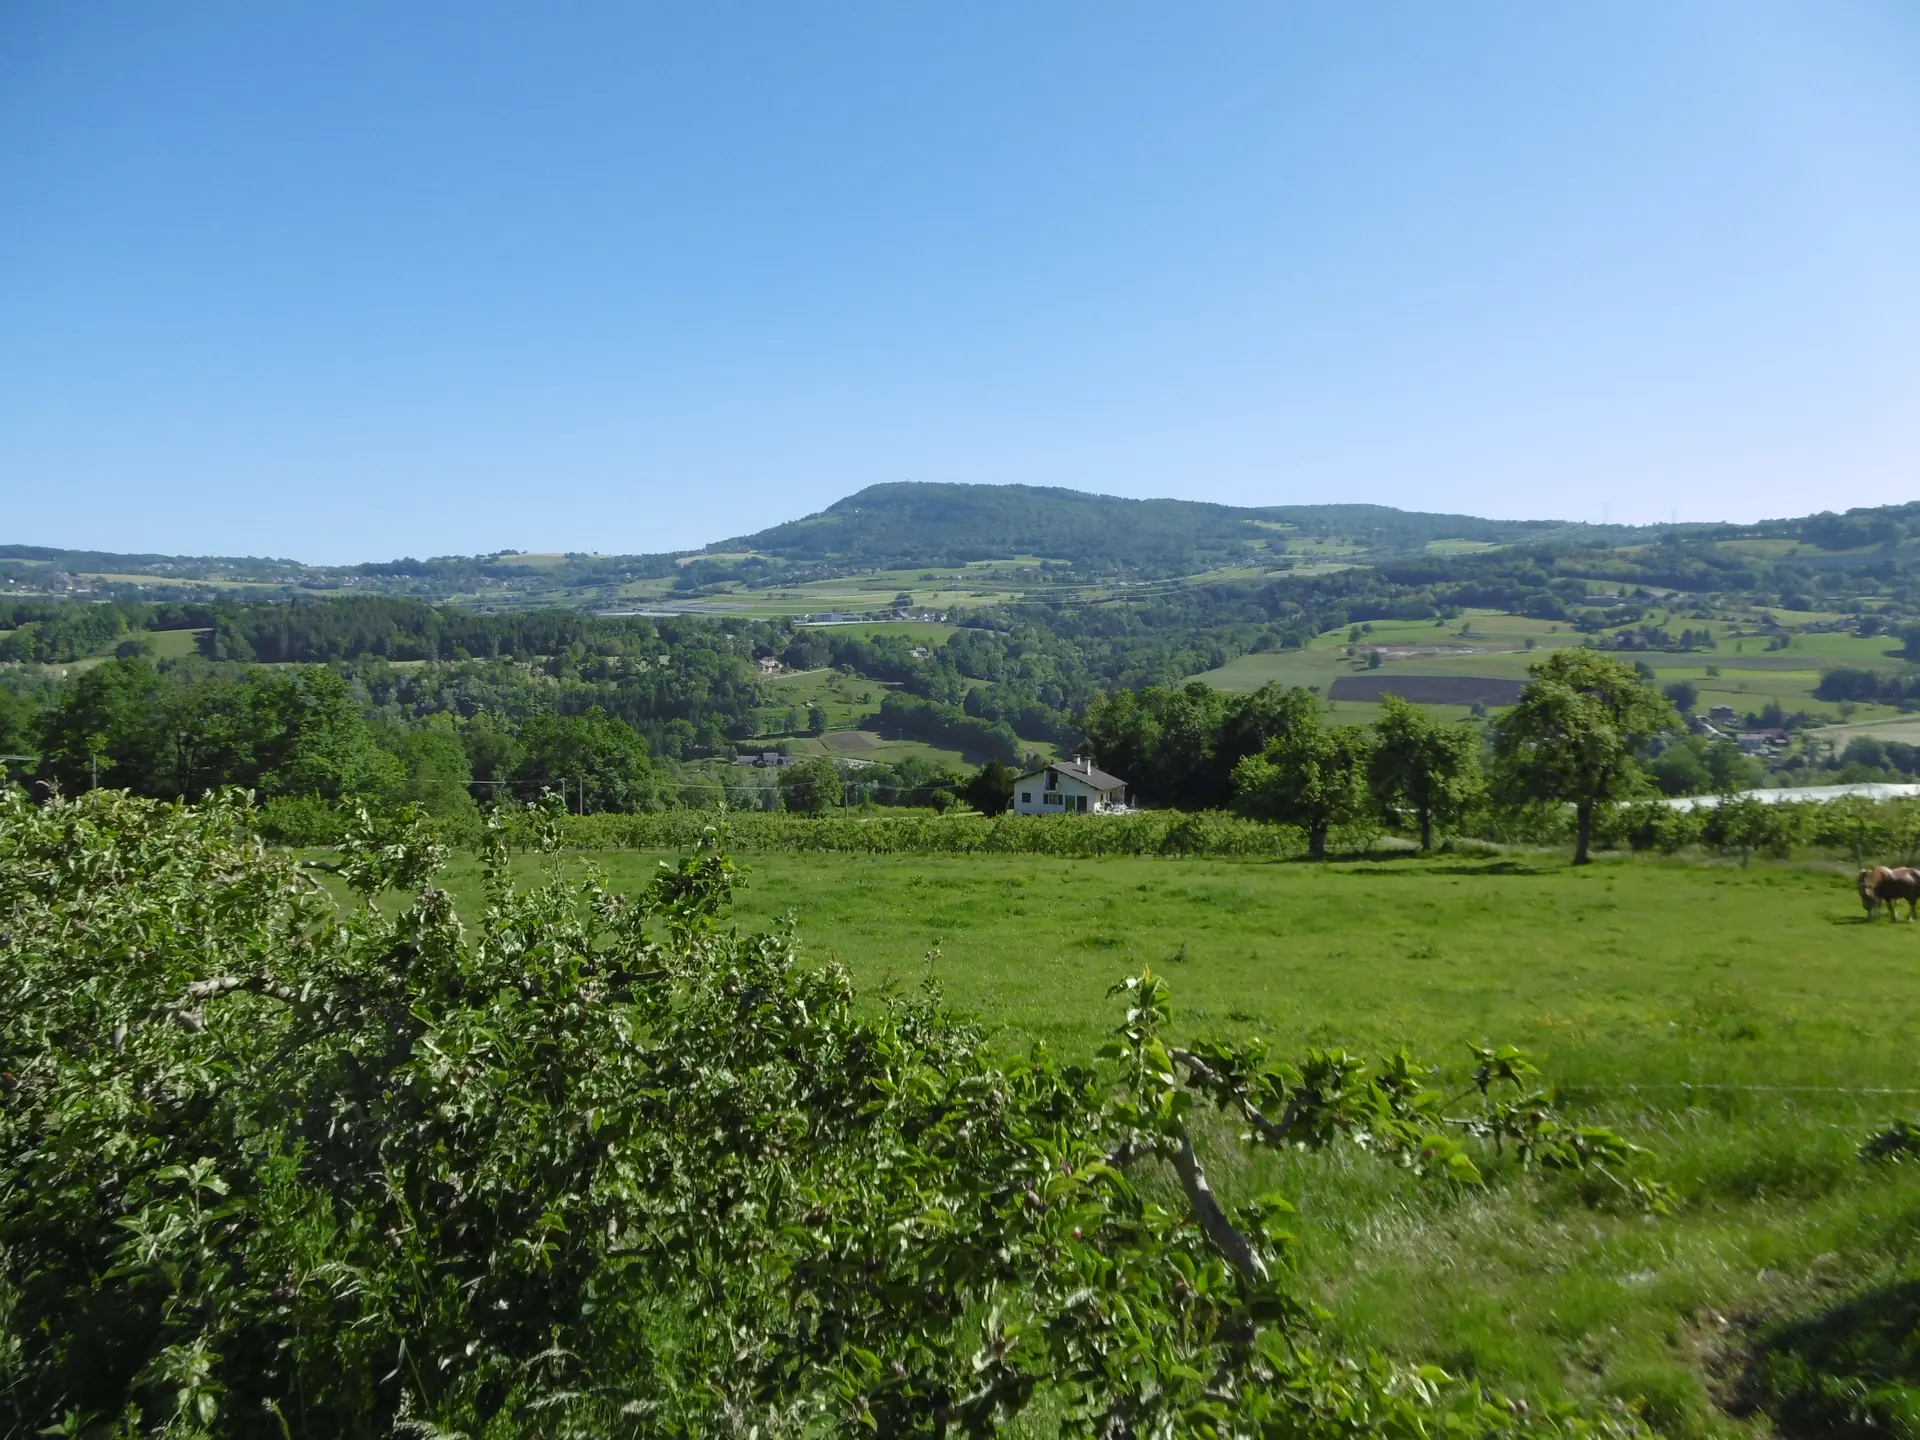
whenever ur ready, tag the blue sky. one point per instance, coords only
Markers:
(348, 281)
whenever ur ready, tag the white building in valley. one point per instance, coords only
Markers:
(1069, 787)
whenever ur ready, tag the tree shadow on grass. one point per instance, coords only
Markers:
(1490, 867)
(1852, 1370)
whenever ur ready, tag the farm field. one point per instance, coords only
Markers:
(844, 699)
(926, 632)
(1904, 728)
(1630, 981)
(871, 745)
(174, 644)
(981, 583)
(1495, 646)
(978, 584)
(847, 701)
(1742, 672)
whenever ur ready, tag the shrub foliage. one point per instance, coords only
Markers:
(603, 1165)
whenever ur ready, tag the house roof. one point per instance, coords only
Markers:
(1083, 771)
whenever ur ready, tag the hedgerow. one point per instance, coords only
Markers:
(1860, 830)
(1865, 831)
(603, 1165)
(1154, 832)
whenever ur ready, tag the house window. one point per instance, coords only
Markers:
(1080, 804)
(1026, 797)
(1053, 781)
(1055, 798)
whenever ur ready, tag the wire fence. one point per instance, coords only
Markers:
(1634, 1087)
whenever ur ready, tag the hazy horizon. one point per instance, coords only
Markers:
(770, 522)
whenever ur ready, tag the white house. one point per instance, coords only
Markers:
(1068, 787)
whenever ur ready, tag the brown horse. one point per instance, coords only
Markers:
(1882, 884)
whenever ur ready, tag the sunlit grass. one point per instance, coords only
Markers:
(1650, 993)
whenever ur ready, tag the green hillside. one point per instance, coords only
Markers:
(922, 524)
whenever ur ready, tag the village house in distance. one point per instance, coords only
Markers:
(1068, 787)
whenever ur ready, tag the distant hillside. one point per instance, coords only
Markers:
(1087, 539)
(906, 524)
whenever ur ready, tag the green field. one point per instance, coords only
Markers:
(1479, 643)
(847, 701)
(1628, 974)
(844, 698)
(926, 632)
(174, 644)
(1904, 728)
(982, 583)
(1748, 675)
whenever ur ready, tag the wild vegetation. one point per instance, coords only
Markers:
(604, 1165)
(424, 1151)
(1744, 1025)
(547, 1160)
(1018, 665)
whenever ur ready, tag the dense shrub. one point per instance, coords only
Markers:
(603, 1165)
(923, 832)
(301, 820)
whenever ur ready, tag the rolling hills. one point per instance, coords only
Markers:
(883, 527)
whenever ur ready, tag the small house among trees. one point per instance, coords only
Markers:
(1068, 787)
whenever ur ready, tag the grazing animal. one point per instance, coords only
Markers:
(1869, 901)
(1884, 885)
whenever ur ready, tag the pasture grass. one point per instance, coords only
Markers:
(845, 699)
(1746, 674)
(848, 701)
(174, 644)
(1643, 988)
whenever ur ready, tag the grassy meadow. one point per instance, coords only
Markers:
(1741, 672)
(1729, 1020)
(846, 701)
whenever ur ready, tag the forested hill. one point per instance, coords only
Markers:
(1043, 538)
(881, 527)
(925, 524)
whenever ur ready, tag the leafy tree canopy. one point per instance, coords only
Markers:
(1572, 736)
(592, 760)
(1424, 765)
(1310, 775)
(811, 787)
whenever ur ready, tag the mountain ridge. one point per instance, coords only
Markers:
(907, 525)
(918, 522)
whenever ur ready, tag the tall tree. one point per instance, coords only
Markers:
(439, 774)
(302, 732)
(1252, 722)
(110, 728)
(1162, 741)
(17, 715)
(1423, 765)
(1572, 736)
(601, 763)
(990, 791)
(1311, 775)
(811, 787)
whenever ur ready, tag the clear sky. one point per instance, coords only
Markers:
(346, 281)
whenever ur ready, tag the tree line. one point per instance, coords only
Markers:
(1573, 738)
(304, 734)
(1587, 732)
